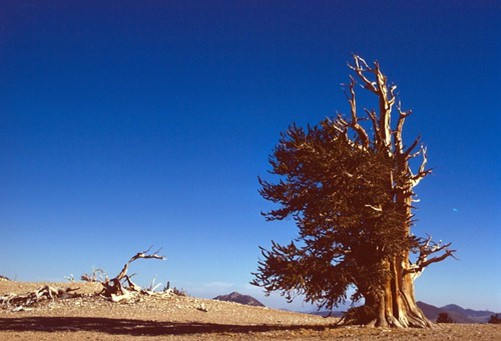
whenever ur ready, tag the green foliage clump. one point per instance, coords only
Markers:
(341, 198)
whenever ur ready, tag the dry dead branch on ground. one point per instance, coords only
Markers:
(114, 289)
(98, 275)
(34, 298)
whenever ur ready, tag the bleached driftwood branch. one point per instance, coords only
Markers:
(26, 301)
(114, 289)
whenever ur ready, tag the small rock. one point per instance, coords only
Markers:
(202, 307)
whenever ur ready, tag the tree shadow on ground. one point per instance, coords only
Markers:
(137, 327)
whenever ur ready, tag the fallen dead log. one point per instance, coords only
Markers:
(34, 298)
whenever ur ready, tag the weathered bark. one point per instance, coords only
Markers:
(394, 305)
(399, 308)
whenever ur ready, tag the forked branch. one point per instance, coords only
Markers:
(351, 97)
(360, 68)
(385, 95)
(113, 288)
(427, 247)
(402, 115)
(139, 255)
(423, 171)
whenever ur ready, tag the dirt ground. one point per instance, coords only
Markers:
(187, 318)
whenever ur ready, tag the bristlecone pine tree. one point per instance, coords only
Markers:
(348, 185)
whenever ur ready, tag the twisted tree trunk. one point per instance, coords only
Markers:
(394, 305)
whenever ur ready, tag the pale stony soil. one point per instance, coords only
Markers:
(188, 318)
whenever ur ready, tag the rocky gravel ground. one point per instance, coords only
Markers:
(172, 317)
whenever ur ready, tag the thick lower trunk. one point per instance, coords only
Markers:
(393, 306)
(397, 305)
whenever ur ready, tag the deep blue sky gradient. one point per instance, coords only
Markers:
(130, 123)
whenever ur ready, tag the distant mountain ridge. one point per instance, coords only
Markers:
(239, 298)
(456, 313)
(468, 312)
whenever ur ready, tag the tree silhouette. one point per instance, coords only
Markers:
(348, 185)
(444, 318)
(495, 319)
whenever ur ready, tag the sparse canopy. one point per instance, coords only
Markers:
(348, 185)
(337, 195)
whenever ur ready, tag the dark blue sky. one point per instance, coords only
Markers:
(130, 123)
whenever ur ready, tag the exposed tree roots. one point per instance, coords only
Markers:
(369, 317)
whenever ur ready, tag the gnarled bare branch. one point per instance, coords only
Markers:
(354, 118)
(422, 172)
(402, 115)
(360, 68)
(386, 96)
(113, 288)
(427, 247)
